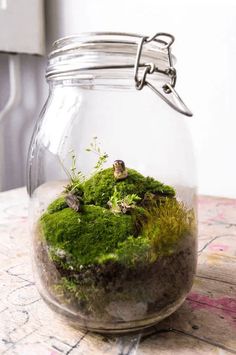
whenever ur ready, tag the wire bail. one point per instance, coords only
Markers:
(150, 68)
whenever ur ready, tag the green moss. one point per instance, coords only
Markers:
(167, 225)
(123, 230)
(131, 252)
(76, 239)
(57, 205)
(134, 251)
(75, 186)
(103, 232)
(162, 230)
(99, 188)
(83, 293)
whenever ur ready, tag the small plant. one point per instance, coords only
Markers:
(122, 205)
(74, 189)
(68, 290)
(94, 147)
(76, 177)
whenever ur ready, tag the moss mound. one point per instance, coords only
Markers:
(76, 239)
(57, 205)
(167, 225)
(99, 188)
(100, 233)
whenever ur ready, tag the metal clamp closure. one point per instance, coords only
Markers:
(150, 68)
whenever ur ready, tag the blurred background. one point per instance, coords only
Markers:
(205, 47)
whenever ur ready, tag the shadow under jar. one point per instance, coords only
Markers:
(111, 179)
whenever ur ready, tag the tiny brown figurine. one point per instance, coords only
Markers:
(120, 171)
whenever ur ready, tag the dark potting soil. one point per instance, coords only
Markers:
(112, 291)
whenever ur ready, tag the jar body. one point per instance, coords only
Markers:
(112, 260)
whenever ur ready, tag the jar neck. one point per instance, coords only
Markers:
(109, 79)
(103, 55)
(117, 60)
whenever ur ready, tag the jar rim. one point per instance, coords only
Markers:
(105, 50)
(81, 38)
(96, 55)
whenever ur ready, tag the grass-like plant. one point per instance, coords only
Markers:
(168, 224)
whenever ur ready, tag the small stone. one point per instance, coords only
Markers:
(73, 202)
(127, 310)
(60, 253)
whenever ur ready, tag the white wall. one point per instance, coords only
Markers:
(206, 50)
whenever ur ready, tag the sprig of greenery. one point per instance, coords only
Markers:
(95, 148)
(76, 177)
(114, 201)
(122, 205)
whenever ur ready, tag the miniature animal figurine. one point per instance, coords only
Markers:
(120, 171)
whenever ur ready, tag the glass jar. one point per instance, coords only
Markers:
(111, 179)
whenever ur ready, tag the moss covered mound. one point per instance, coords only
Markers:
(57, 205)
(137, 231)
(76, 239)
(100, 187)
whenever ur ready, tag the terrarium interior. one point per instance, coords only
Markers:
(112, 185)
(113, 246)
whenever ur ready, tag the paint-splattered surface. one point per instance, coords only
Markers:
(205, 324)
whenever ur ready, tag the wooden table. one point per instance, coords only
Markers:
(205, 324)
